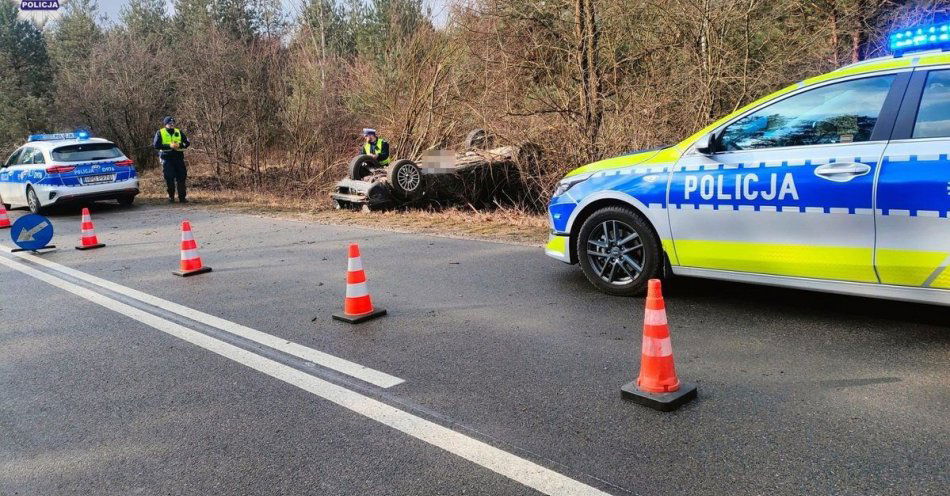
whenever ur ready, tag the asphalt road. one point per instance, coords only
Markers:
(512, 353)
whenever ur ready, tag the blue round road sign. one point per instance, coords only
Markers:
(32, 232)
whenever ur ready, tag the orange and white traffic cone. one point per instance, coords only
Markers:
(190, 261)
(88, 240)
(357, 306)
(657, 386)
(4, 218)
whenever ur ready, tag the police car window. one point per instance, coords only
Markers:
(38, 157)
(838, 113)
(26, 157)
(86, 152)
(13, 158)
(933, 116)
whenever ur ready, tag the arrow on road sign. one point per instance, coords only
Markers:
(26, 235)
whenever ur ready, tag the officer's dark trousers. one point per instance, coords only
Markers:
(175, 174)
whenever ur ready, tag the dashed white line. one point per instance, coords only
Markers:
(499, 461)
(363, 373)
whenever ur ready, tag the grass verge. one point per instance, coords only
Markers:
(508, 225)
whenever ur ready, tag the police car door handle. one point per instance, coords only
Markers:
(841, 172)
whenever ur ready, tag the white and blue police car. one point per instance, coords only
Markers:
(839, 183)
(54, 169)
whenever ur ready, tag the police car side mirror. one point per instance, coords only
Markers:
(704, 145)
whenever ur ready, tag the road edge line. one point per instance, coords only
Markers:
(518, 469)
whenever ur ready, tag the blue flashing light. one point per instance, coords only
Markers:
(920, 38)
(51, 137)
(78, 135)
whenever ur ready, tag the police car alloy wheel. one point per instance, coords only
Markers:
(32, 201)
(618, 251)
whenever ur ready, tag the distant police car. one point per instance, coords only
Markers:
(51, 169)
(839, 183)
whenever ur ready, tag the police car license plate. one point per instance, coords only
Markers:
(98, 179)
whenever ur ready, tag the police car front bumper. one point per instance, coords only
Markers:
(56, 195)
(558, 247)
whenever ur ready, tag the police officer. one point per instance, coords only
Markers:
(170, 141)
(376, 147)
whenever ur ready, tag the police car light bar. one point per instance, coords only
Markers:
(78, 135)
(920, 38)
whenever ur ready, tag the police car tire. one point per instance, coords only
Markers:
(652, 256)
(393, 176)
(360, 166)
(34, 205)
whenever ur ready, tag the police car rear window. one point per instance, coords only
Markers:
(86, 152)
(933, 118)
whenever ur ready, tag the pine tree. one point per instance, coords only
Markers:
(145, 18)
(25, 77)
(327, 22)
(385, 24)
(75, 34)
(192, 17)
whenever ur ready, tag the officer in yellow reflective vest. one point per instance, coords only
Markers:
(170, 141)
(376, 147)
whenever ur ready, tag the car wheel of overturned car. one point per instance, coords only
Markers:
(405, 178)
(618, 251)
(478, 139)
(361, 165)
(529, 154)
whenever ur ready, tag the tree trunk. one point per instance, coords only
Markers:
(591, 84)
(834, 34)
(857, 35)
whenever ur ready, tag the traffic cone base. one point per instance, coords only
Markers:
(664, 402)
(186, 273)
(90, 247)
(356, 319)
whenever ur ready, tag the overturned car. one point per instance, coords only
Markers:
(480, 171)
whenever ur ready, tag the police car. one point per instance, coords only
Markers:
(839, 183)
(52, 169)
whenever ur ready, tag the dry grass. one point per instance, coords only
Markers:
(508, 225)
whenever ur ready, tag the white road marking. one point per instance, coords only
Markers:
(499, 461)
(372, 376)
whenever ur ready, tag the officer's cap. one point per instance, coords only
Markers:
(168, 120)
(368, 131)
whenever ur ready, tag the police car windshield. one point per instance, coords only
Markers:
(86, 152)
